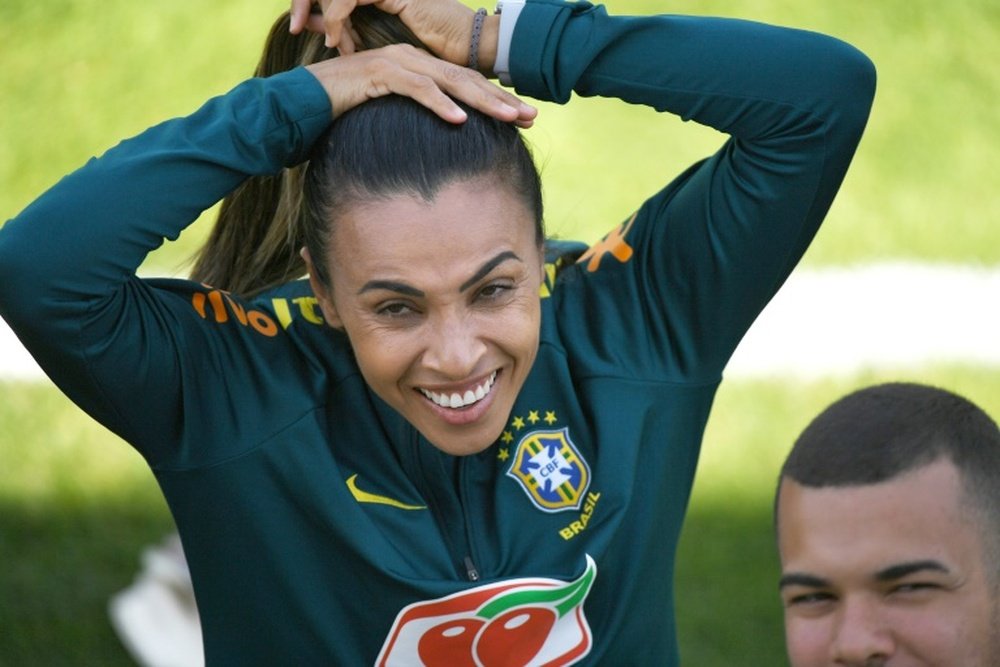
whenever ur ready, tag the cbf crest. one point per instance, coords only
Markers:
(551, 470)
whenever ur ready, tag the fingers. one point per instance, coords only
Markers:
(336, 15)
(330, 17)
(299, 15)
(443, 25)
(408, 71)
(434, 78)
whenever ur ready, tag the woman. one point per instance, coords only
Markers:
(413, 458)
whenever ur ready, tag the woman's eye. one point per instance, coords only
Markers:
(395, 309)
(493, 291)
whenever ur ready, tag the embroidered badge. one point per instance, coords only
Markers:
(551, 470)
(530, 622)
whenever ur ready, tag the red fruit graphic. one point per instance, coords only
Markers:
(514, 637)
(450, 643)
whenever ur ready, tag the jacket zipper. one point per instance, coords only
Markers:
(470, 566)
(470, 569)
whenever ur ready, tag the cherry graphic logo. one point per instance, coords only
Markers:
(514, 623)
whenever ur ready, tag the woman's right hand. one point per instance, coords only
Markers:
(405, 70)
(445, 26)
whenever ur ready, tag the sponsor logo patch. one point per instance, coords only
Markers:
(530, 622)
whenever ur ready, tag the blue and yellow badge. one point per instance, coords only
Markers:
(551, 470)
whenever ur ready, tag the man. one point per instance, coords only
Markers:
(888, 520)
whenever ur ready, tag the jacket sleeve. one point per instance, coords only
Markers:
(121, 347)
(687, 275)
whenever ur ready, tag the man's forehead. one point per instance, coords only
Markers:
(876, 530)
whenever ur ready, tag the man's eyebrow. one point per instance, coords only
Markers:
(392, 286)
(802, 579)
(485, 269)
(901, 570)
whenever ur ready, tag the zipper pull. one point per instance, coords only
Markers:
(470, 569)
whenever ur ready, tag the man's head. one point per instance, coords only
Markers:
(888, 519)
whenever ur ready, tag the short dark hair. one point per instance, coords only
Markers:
(393, 145)
(877, 433)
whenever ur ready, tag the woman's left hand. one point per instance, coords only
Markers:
(403, 69)
(445, 26)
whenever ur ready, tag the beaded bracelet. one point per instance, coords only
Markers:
(477, 29)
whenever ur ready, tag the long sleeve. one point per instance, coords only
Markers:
(67, 262)
(706, 253)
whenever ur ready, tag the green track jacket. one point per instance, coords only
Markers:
(320, 528)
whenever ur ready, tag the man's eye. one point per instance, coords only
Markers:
(914, 587)
(813, 598)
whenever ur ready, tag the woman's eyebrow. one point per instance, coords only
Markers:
(901, 570)
(408, 290)
(392, 286)
(487, 267)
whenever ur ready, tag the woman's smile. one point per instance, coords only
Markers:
(457, 399)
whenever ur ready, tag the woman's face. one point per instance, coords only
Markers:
(440, 301)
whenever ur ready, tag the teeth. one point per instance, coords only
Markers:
(457, 400)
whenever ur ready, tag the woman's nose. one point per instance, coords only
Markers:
(455, 347)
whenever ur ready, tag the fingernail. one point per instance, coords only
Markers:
(506, 108)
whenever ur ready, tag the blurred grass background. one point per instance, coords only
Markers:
(76, 505)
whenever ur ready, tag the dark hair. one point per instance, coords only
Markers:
(385, 146)
(393, 145)
(256, 239)
(878, 433)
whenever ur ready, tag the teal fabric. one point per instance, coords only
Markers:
(255, 418)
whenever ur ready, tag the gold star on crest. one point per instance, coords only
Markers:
(533, 416)
(507, 437)
(503, 455)
(518, 423)
(550, 417)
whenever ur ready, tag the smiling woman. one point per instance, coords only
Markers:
(448, 345)
(452, 443)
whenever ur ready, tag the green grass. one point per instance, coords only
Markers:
(76, 505)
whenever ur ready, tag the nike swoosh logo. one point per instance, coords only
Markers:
(365, 497)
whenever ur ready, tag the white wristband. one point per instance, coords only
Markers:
(508, 10)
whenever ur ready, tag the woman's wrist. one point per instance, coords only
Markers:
(488, 45)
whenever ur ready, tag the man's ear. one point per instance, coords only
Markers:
(321, 292)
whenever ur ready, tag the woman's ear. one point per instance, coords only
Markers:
(321, 292)
(541, 261)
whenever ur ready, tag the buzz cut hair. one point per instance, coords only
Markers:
(878, 433)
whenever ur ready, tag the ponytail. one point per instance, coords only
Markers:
(254, 244)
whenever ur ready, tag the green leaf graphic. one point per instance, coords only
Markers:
(563, 598)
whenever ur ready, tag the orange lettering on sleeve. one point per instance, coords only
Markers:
(614, 243)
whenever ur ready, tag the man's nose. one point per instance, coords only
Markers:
(455, 346)
(863, 638)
